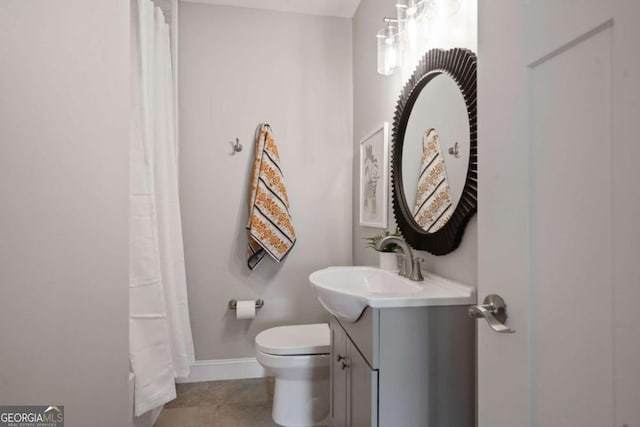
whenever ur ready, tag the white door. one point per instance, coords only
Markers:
(559, 212)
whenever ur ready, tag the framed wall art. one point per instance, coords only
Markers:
(374, 178)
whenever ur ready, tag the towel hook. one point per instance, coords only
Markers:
(455, 151)
(237, 147)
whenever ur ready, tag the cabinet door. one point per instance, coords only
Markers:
(338, 398)
(363, 391)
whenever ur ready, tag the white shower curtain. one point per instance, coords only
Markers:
(160, 341)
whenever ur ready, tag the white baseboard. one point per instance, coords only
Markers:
(224, 369)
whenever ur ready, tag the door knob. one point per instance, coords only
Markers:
(494, 310)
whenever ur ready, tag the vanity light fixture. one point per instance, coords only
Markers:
(388, 48)
(408, 34)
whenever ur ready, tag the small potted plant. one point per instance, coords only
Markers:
(388, 259)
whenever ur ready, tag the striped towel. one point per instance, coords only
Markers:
(433, 203)
(270, 229)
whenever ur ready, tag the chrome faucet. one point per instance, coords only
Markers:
(410, 266)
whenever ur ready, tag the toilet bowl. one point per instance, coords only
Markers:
(298, 357)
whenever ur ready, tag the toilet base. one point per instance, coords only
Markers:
(301, 403)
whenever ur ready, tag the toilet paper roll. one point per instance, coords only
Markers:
(246, 309)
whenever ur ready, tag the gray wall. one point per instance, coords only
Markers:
(239, 67)
(64, 130)
(374, 101)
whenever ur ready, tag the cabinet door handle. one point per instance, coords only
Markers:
(345, 364)
(340, 358)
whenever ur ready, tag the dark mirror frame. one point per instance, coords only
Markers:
(459, 64)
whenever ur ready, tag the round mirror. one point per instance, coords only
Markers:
(435, 151)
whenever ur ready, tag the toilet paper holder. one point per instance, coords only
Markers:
(234, 303)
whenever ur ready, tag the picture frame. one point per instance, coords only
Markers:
(374, 178)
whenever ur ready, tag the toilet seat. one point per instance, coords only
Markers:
(295, 340)
(286, 366)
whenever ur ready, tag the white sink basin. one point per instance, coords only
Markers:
(346, 291)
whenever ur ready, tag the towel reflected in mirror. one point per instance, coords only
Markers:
(433, 207)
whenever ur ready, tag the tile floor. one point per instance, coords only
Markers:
(233, 403)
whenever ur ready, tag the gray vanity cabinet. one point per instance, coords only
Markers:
(362, 402)
(338, 398)
(404, 367)
(353, 383)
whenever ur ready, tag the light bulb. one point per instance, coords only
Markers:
(391, 56)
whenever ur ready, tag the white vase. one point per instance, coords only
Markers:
(388, 261)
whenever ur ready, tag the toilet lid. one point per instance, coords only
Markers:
(295, 340)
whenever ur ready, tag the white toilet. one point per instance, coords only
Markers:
(298, 357)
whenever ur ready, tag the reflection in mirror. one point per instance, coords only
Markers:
(434, 159)
(435, 153)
